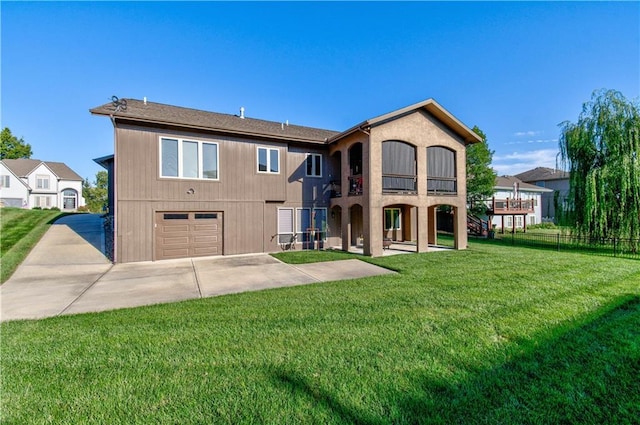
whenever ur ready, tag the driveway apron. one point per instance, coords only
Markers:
(61, 267)
(67, 273)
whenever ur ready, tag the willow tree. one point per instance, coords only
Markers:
(602, 151)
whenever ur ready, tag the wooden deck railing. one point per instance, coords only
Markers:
(510, 206)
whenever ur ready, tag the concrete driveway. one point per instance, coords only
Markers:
(67, 273)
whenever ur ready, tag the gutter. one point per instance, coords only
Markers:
(275, 137)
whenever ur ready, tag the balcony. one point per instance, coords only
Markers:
(336, 189)
(509, 206)
(355, 185)
(399, 184)
(442, 186)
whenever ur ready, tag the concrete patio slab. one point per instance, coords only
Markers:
(341, 270)
(138, 284)
(215, 281)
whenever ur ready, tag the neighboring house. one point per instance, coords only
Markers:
(556, 180)
(186, 183)
(28, 183)
(515, 204)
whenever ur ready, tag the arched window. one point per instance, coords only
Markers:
(441, 171)
(69, 199)
(398, 167)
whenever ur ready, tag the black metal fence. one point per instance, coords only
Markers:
(614, 247)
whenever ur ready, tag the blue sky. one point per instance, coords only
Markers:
(516, 70)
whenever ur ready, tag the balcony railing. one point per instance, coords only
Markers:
(355, 185)
(336, 189)
(442, 186)
(399, 183)
(510, 206)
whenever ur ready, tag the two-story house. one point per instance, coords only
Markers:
(185, 182)
(515, 204)
(29, 183)
(550, 178)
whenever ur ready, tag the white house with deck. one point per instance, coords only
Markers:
(515, 204)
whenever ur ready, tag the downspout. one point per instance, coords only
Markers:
(115, 191)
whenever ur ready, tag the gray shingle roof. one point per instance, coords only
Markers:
(63, 171)
(542, 174)
(24, 167)
(158, 113)
(506, 182)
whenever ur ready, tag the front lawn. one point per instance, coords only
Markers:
(20, 230)
(489, 335)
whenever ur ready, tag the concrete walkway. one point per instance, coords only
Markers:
(67, 273)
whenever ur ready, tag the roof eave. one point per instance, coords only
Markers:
(358, 127)
(523, 189)
(211, 129)
(433, 107)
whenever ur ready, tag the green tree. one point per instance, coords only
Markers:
(602, 151)
(95, 195)
(13, 148)
(480, 176)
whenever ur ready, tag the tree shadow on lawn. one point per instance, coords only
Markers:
(589, 374)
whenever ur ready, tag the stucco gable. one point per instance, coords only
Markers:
(429, 106)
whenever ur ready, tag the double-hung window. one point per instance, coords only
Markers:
(314, 165)
(303, 223)
(188, 159)
(43, 201)
(5, 181)
(268, 160)
(42, 182)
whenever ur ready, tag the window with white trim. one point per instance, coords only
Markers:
(392, 219)
(5, 181)
(319, 221)
(268, 160)
(189, 159)
(313, 164)
(285, 225)
(42, 182)
(42, 201)
(303, 222)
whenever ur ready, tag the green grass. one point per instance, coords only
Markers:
(20, 230)
(488, 335)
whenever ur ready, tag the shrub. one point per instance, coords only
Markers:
(36, 208)
(545, 225)
(83, 208)
(55, 209)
